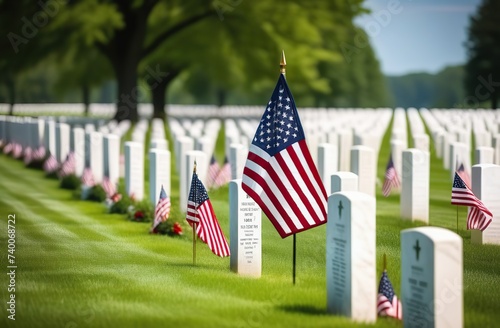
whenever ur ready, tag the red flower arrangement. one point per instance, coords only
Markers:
(138, 216)
(177, 229)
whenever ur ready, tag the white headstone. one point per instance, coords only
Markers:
(421, 141)
(238, 154)
(50, 137)
(245, 223)
(415, 185)
(397, 147)
(345, 143)
(96, 153)
(350, 256)
(486, 187)
(344, 181)
(459, 154)
(362, 164)
(79, 150)
(431, 278)
(184, 145)
(158, 144)
(327, 163)
(134, 169)
(448, 139)
(484, 155)
(496, 146)
(62, 141)
(111, 154)
(159, 173)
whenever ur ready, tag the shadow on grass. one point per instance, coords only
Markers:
(303, 308)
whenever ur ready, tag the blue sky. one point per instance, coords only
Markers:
(418, 35)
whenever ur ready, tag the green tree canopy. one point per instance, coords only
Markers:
(482, 80)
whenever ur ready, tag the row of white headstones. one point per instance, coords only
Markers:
(346, 145)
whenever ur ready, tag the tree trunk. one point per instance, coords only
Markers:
(128, 93)
(86, 98)
(158, 93)
(221, 97)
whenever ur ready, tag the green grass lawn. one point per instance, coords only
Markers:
(78, 266)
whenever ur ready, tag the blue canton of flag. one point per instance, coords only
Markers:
(387, 301)
(279, 126)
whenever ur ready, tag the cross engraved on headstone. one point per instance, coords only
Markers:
(340, 209)
(417, 249)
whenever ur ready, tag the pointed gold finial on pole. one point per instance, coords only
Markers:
(283, 62)
(194, 168)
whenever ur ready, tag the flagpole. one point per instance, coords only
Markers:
(294, 252)
(194, 228)
(457, 219)
(294, 257)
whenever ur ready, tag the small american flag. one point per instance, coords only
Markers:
(200, 211)
(88, 178)
(464, 175)
(109, 187)
(68, 166)
(8, 148)
(224, 175)
(50, 165)
(479, 217)
(391, 178)
(17, 151)
(280, 174)
(28, 155)
(388, 303)
(213, 171)
(39, 153)
(162, 210)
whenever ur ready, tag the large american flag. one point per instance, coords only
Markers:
(200, 211)
(391, 178)
(279, 173)
(388, 303)
(162, 210)
(479, 217)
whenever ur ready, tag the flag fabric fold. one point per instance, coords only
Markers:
(50, 165)
(479, 217)
(109, 187)
(201, 212)
(388, 303)
(279, 173)
(213, 171)
(391, 178)
(88, 178)
(28, 155)
(68, 166)
(224, 175)
(464, 175)
(162, 209)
